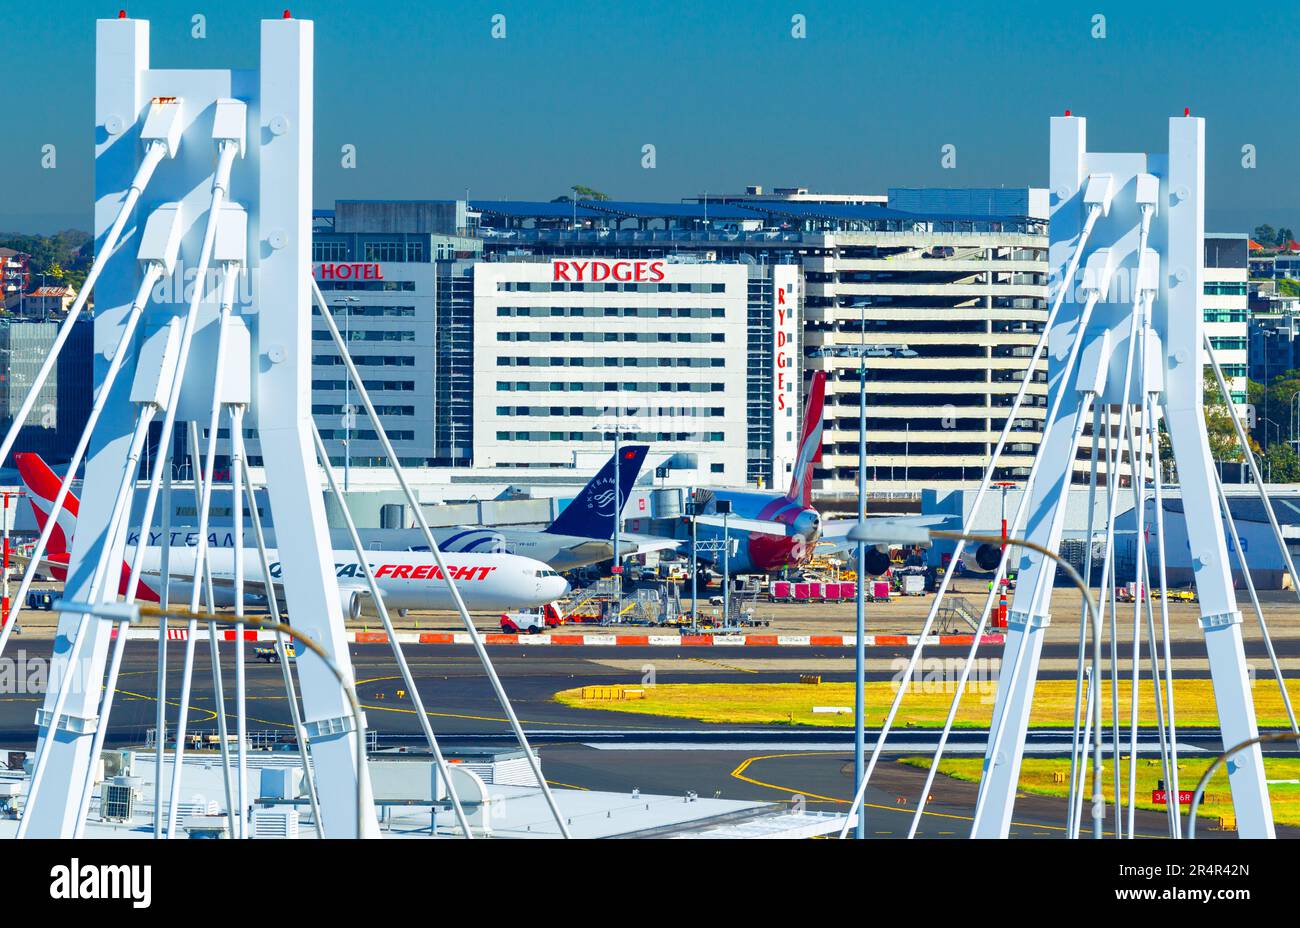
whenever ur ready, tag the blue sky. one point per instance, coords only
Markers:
(436, 106)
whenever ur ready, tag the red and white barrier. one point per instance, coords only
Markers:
(561, 639)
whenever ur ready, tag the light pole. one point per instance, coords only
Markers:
(695, 558)
(349, 415)
(860, 644)
(1004, 485)
(724, 510)
(618, 513)
(1295, 421)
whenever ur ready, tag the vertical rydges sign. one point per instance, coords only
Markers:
(785, 371)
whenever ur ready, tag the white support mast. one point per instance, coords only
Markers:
(1154, 230)
(247, 138)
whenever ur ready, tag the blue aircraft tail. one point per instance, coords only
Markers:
(591, 514)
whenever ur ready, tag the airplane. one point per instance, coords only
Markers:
(583, 532)
(488, 582)
(772, 530)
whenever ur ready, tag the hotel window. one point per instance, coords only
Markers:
(415, 251)
(329, 250)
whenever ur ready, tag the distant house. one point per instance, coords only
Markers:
(47, 301)
(14, 276)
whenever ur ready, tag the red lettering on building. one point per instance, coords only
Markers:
(348, 271)
(597, 271)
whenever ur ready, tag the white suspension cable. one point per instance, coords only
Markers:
(1172, 782)
(1254, 601)
(152, 272)
(237, 550)
(120, 508)
(376, 594)
(164, 600)
(475, 638)
(227, 149)
(272, 601)
(154, 153)
(1021, 512)
(1047, 576)
(1075, 759)
(986, 481)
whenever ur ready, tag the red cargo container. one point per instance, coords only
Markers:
(849, 590)
(801, 592)
(780, 591)
(815, 591)
(880, 590)
(832, 592)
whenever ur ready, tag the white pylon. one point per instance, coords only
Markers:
(1144, 340)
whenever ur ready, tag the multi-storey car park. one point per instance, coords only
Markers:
(962, 287)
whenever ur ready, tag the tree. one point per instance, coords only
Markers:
(582, 192)
(1218, 424)
(1284, 235)
(1265, 234)
(1281, 463)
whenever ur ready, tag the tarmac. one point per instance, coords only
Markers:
(608, 751)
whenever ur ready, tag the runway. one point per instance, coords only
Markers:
(599, 749)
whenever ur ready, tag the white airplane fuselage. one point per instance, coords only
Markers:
(407, 579)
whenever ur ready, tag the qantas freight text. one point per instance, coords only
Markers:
(405, 571)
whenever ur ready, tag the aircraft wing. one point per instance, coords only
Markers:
(223, 582)
(595, 549)
(738, 524)
(45, 563)
(834, 536)
(643, 543)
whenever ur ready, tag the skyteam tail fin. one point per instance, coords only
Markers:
(810, 442)
(42, 487)
(591, 514)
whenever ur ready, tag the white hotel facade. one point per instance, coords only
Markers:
(564, 348)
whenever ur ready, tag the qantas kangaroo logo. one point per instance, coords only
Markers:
(42, 489)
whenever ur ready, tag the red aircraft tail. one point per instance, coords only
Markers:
(810, 442)
(42, 489)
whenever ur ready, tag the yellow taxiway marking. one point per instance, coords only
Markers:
(739, 774)
(568, 785)
(482, 718)
(171, 702)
